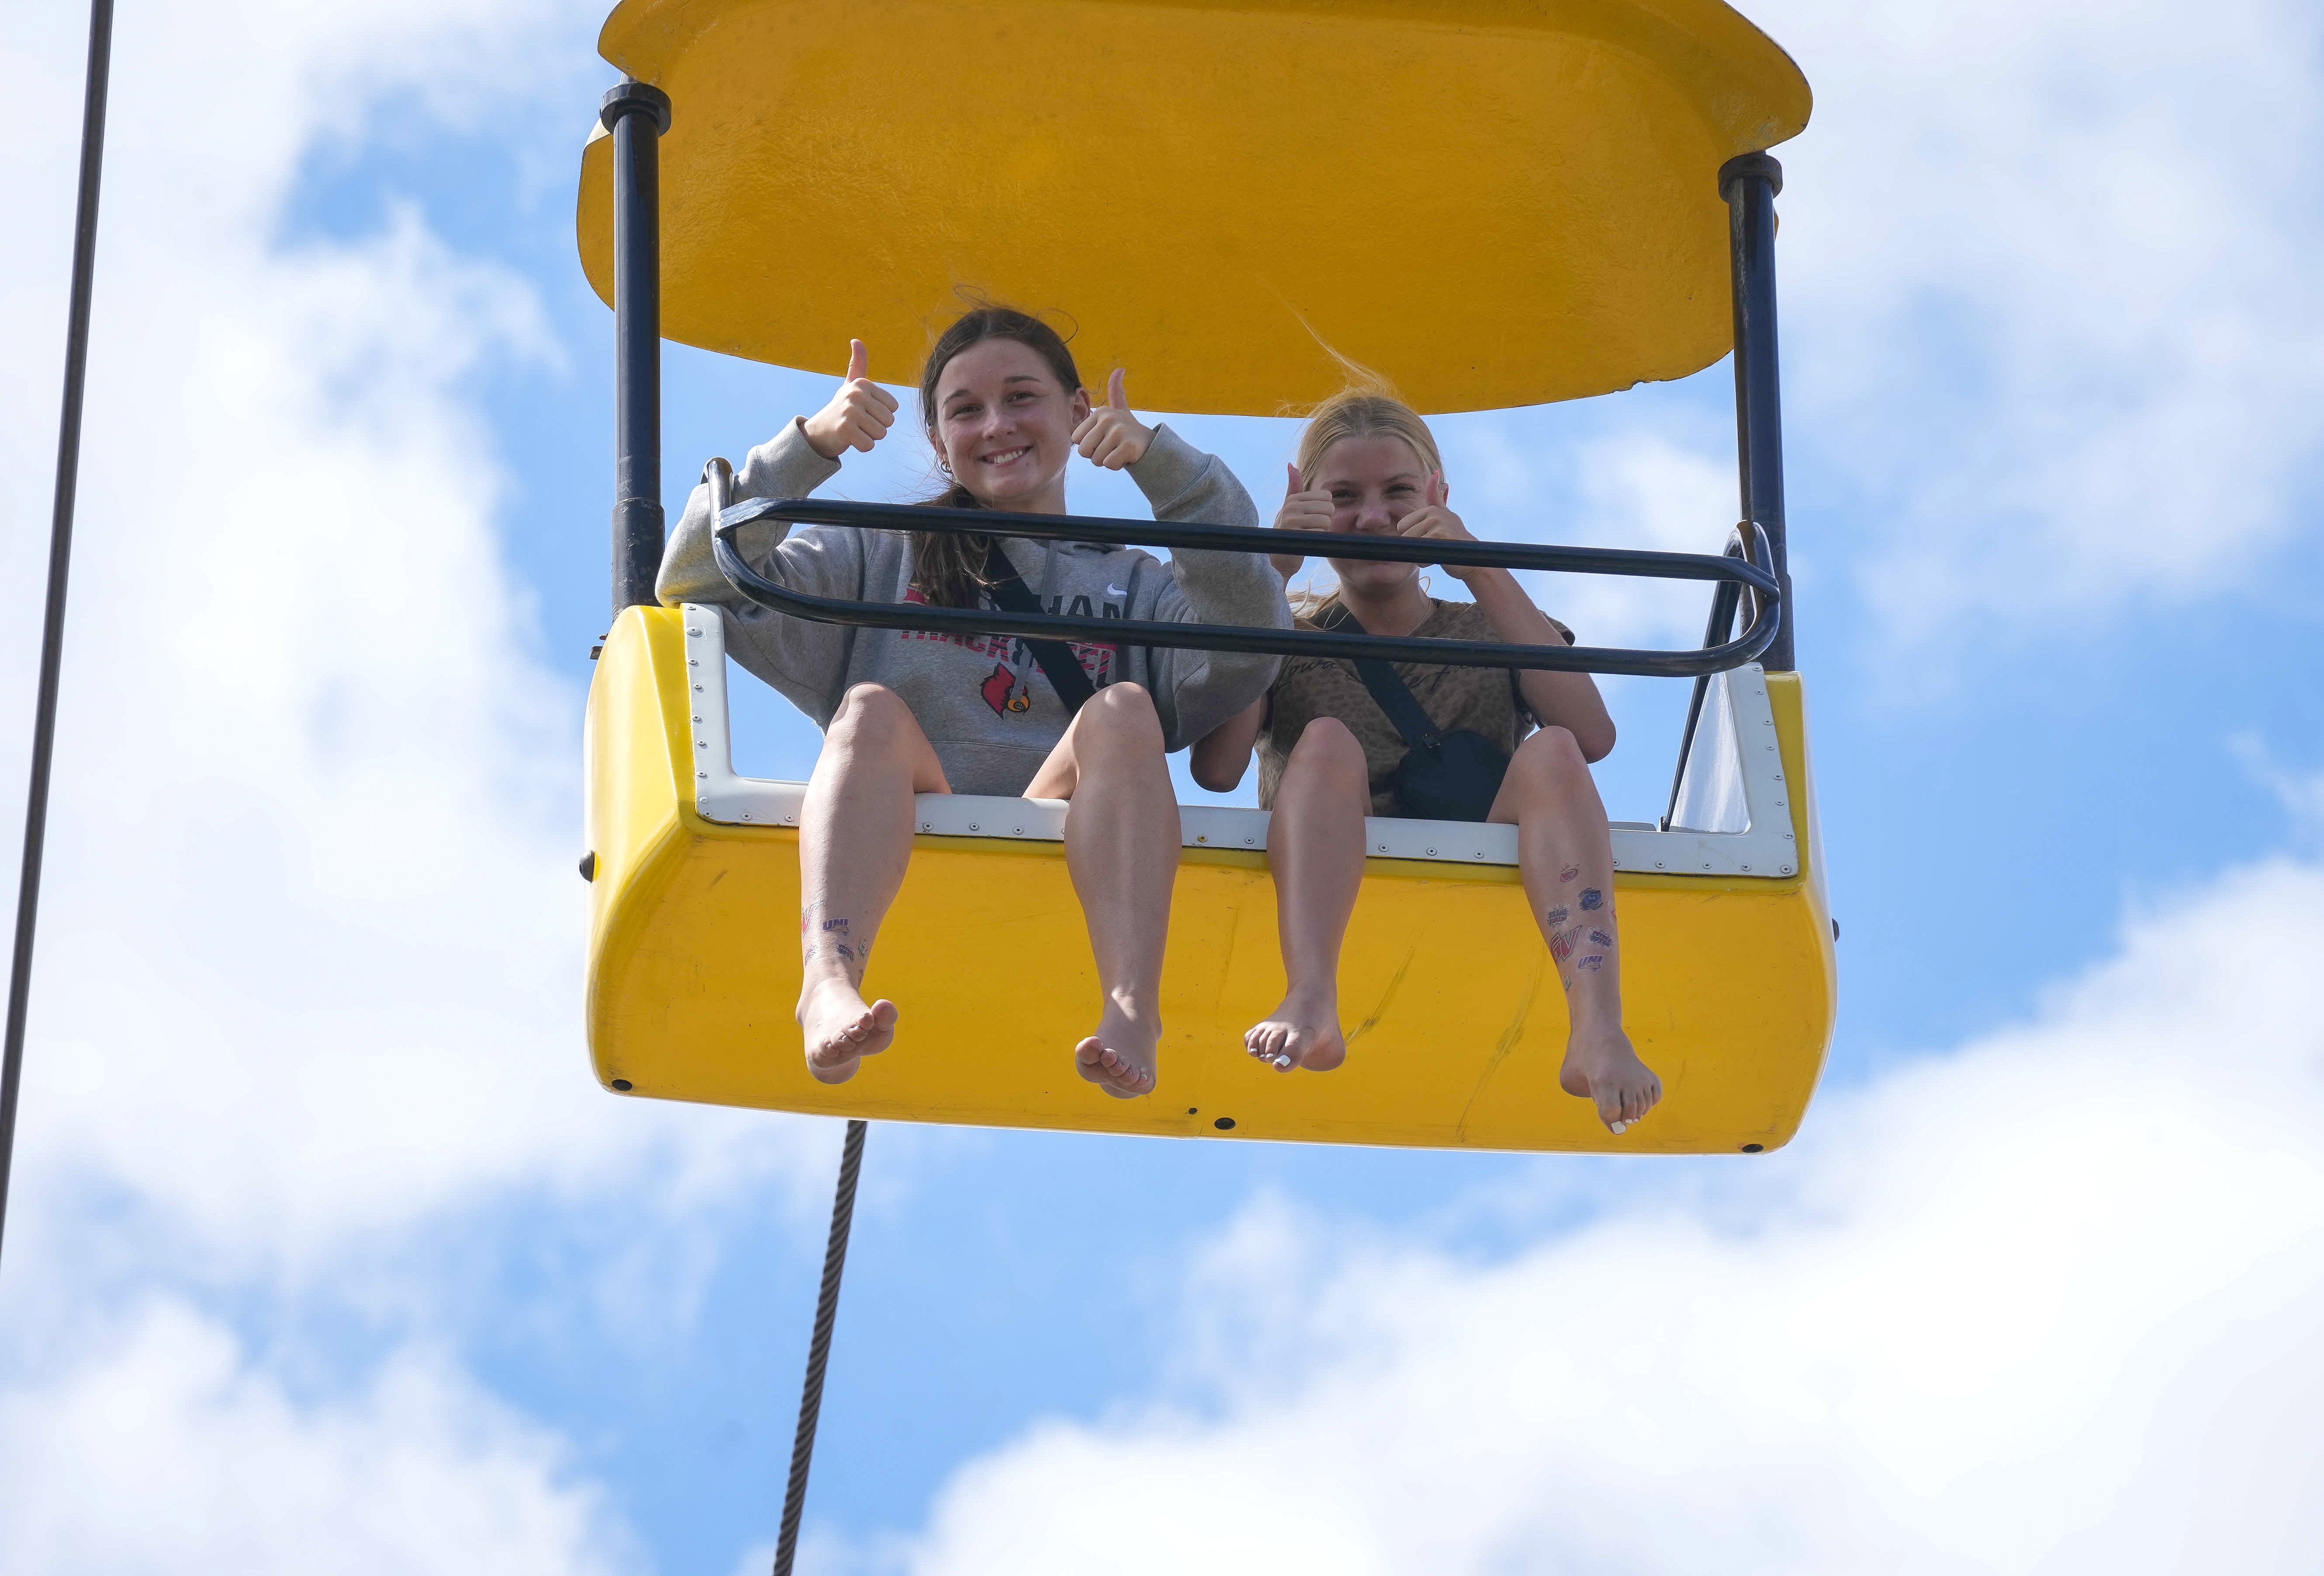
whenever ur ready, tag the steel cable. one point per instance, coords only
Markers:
(818, 1349)
(52, 618)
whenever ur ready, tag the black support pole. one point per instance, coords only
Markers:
(637, 113)
(1750, 184)
(53, 620)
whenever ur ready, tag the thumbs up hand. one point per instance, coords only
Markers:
(1110, 436)
(1432, 518)
(858, 414)
(1304, 508)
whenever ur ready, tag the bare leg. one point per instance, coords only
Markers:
(1565, 855)
(1316, 852)
(1122, 848)
(856, 836)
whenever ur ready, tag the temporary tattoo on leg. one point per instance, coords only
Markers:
(830, 938)
(1591, 898)
(1593, 962)
(1560, 914)
(1570, 872)
(1561, 946)
(1600, 938)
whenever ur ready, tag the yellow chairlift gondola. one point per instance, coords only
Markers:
(1591, 208)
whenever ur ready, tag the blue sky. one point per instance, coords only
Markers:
(324, 1238)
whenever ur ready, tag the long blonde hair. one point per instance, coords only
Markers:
(1371, 409)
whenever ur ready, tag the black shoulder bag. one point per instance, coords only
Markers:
(1443, 775)
(1056, 659)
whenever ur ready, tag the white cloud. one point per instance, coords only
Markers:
(162, 1448)
(2050, 309)
(1643, 490)
(308, 1008)
(2300, 793)
(310, 954)
(2054, 345)
(2046, 1304)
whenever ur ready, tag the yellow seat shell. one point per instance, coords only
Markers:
(1457, 1021)
(1494, 202)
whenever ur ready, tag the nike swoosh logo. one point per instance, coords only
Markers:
(1113, 590)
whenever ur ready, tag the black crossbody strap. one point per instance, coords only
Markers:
(1056, 659)
(1389, 691)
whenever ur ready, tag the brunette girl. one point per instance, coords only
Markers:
(1329, 755)
(906, 712)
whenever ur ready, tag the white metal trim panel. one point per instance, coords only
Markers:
(1765, 849)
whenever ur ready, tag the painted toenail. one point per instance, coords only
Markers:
(1620, 1126)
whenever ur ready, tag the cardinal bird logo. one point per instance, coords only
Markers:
(1001, 693)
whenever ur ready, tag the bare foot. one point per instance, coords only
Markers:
(841, 1031)
(1118, 1058)
(1303, 1032)
(1600, 1066)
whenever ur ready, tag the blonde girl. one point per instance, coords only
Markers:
(1329, 754)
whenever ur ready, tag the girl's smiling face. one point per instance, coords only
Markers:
(1006, 424)
(1374, 483)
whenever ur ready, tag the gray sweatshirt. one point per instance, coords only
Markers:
(983, 703)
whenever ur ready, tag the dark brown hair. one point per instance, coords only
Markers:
(946, 569)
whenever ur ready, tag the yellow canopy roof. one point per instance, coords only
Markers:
(1492, 202)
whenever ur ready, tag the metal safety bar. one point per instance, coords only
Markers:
(1749, 573)
(1723, 603)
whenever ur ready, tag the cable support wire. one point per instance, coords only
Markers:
(52, 617)
(818, 1348)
